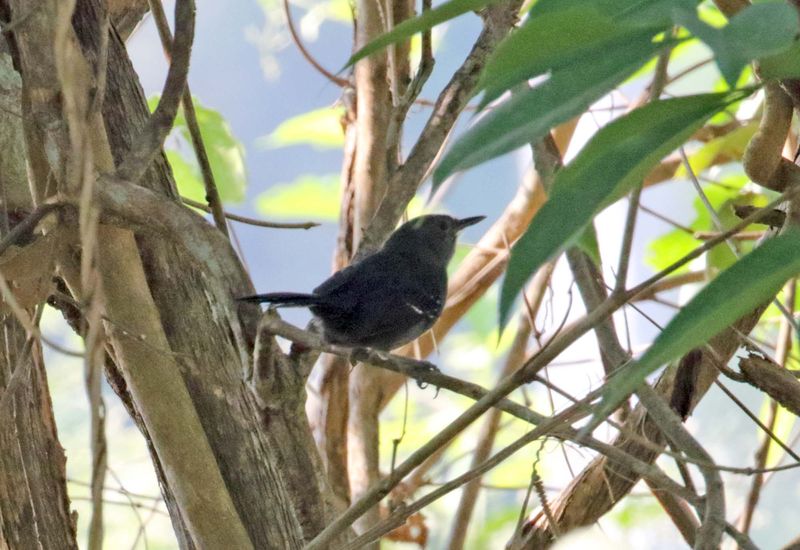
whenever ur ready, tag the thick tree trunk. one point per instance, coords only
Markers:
(246, 441)
(34, 508)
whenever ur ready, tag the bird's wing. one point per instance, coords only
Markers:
(352, 281)
(426, 301)
(409, 302)
(401, 317)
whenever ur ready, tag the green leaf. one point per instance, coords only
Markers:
(668, 248)
(309, 196)
(225, 152)
(225, 155)
(563, 39)
(530, 114)
(187, 177)
(422, 22)
(617, 158)
(321, 129)
(648, 11)
(748, 283)
(760, 30)
(587, 242)
(785, 421)
(782, 65)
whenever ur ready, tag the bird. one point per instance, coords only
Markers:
(390, 297)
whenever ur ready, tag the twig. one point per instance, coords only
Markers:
(551, 424)
(421, 371)
(132, 505)
(142, 524)
(93, 359)
(743, 236)
(410, 95)
(784, 347)
(252, 221)
(341, 82)
(686, 229)
(791, 191)
(654, 91)
(742, 539)
(486, 438)
(121, 490)
(670, 283)
(769, 433)
(536, 482)
(690, 69)
(23, 229)
(710, 532)
(19, 375)
(152, 136)
(641, 440)
(212, 194)
(627, 239)
(30, 326)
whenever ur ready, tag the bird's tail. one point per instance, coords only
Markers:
(282, 299)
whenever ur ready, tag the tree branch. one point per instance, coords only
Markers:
(152, 136)
(212, 194)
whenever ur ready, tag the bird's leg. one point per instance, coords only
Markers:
(357, 355)
(410, 367)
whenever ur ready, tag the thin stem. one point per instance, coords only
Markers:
(783, 350)
(252, 221)
(212, 194)
(341, 82)
(627, 239)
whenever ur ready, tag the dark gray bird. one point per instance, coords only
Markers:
(389, 298)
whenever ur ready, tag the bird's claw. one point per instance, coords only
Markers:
(357, 355)
(429, 367)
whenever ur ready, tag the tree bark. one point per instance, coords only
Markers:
(260, 453)
(34, 507)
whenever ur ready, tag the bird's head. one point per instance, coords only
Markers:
(432, 237)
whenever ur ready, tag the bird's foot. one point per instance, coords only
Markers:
(426, 366)
(358, 355)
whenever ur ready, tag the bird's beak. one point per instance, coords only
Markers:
(466, 222)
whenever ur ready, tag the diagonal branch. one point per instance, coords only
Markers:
(212, 194)
(152, 136)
